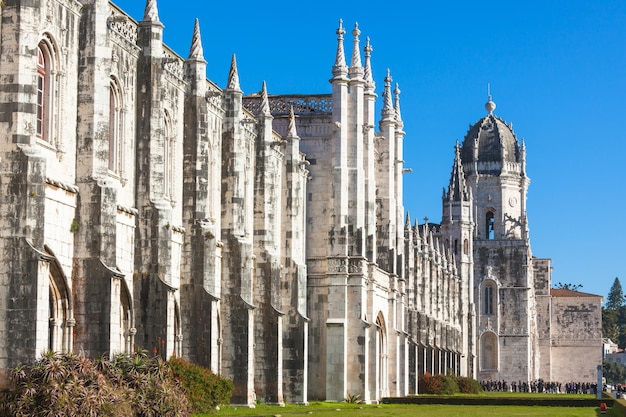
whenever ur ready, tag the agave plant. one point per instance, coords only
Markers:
(68, 385)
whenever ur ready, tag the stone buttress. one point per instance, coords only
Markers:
(201, 269)
(160, 90)
(238, 266)
(269, 313)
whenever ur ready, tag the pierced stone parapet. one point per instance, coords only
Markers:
(303, 105)
(173, 64)
(123, 25)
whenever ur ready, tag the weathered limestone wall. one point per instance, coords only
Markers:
(542, 271)
(576, 324)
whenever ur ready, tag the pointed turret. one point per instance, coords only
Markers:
(195, 65)
(233, 76)
(387, 112)
(396, 106)
(151, 14)
(356, 69)
(340, 69)
(196, 52)
(265, 103)
(292, 131)
(367, 70)
(457, 190)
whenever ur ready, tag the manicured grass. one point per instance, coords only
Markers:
(324, 409)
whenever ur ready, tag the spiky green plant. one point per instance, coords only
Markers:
(70, 385)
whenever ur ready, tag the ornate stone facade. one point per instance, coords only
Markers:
(261, 236)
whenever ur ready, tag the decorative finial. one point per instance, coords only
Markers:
(387, 111)
(195, 52)
(292, 132)
(340, 60)
(368, 65)
(151, 14)
(396, 93)
(265, 104)
(233, 76)
(490, 106)
(355, 65)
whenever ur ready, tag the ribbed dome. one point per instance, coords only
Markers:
(496, 142)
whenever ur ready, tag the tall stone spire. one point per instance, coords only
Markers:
(151, 14)
(356, 69)
(369, 80)
(292, 131)
(396, 106)
(457, 190)
(233, 76)
(387, 111)
(265, 103)
(196, 52)
(340, 69)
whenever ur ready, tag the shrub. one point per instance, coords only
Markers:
(437, 384)
(468, 385)
(71, 385)
(204, 389)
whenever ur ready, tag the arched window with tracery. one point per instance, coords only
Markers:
(45, 90)
(116, 128)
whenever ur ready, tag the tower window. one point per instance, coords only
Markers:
(489, 224)
(488, 300)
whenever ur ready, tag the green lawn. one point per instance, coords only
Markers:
(323, 409)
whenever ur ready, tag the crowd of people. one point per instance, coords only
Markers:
(540, 386)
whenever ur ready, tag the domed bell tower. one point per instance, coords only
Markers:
(495, 170)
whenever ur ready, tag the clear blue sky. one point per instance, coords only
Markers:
(557, 71)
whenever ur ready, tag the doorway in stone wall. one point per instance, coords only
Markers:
(382, 356)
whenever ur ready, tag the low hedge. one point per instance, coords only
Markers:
(447, 385)
(529, 400)
(620, 406)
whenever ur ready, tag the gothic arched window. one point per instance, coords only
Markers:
(45, 89)
(115, 127)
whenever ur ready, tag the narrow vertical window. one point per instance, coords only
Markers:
(168, 158)
(488, 300)
(489, 224)
(116, 129)
(42, 92)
